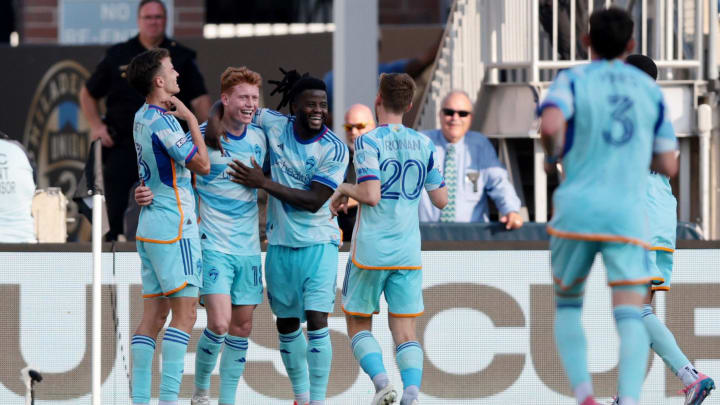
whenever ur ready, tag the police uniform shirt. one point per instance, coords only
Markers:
(122, 100)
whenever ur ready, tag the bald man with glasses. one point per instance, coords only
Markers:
(471, 168)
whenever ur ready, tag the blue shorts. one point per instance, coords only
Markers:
(362, 289)
(626, 264)
(301, 279)
(661, 264)
(167, 268)
(240, 277)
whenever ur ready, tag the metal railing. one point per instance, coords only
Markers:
(492, 42)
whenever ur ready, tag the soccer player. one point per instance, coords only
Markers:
(307, 162)
(167, 233)
(662, 220)
(232, 276)
(607, 121)
(393, 164)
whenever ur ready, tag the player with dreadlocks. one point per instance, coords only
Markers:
(306, 163)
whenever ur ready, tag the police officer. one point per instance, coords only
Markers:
(122, 101)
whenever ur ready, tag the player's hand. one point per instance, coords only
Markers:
(176, 108)
(338, 202)
(249, 176)
(512, 220)
(143, 196)
(102, 133)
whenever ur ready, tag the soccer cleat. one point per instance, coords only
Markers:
(696, 392)
(385, 396)
(198, 399)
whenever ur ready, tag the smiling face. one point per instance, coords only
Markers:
(454, 125)
(241, 101)
(169, 77)
(311, 109)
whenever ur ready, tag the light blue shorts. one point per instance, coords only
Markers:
(362, 289)
(240, 277)
(626, 264)
(301, 279)
(661, 264)
(168, 268)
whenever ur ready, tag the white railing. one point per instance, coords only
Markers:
(503, 41)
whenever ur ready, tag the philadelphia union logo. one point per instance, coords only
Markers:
(56, 133)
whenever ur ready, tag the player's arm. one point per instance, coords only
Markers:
(552, 132)
(252, 176)
(439, 197)
(664, 144)
(366, 192)
(200, 162)
(665, 163)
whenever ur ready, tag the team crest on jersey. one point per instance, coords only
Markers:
(310, 164)
(258, 153)
(56, 133)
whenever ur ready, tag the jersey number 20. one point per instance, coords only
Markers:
(400, 172)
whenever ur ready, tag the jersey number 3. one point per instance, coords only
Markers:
(620, 117)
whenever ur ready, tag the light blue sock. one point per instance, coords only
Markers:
(663, 341)
(208, 350)
(143, 350)
(293, 350)
(232, 366)
(368, 353)
(634, 346)
(572, 344)
(174, 348)
(409, 357)
(319, 360)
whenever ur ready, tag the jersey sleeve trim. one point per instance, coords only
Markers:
(190, 155)
(325, 181)
(366, 178)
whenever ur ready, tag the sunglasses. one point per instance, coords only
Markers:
(450, 112)
(359, 125)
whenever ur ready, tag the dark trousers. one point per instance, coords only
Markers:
(120, 173)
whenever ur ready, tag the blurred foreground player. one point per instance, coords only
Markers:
(607, 121)
(167, 234)
(662, 220)
(385, 253)
(307, 162)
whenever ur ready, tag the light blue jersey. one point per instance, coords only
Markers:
(661, 212)
(228, 212)
(162, 152)
(616, 119)
(296, 163)
(387, 236)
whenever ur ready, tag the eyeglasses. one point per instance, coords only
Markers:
(450, 112)
(360, 126)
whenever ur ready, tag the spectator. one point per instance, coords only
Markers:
(115, 129)
(17, 188)
(471, 168)
(358, 121)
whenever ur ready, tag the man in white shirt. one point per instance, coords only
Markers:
(17, 188)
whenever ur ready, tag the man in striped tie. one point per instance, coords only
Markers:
(471, 169)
